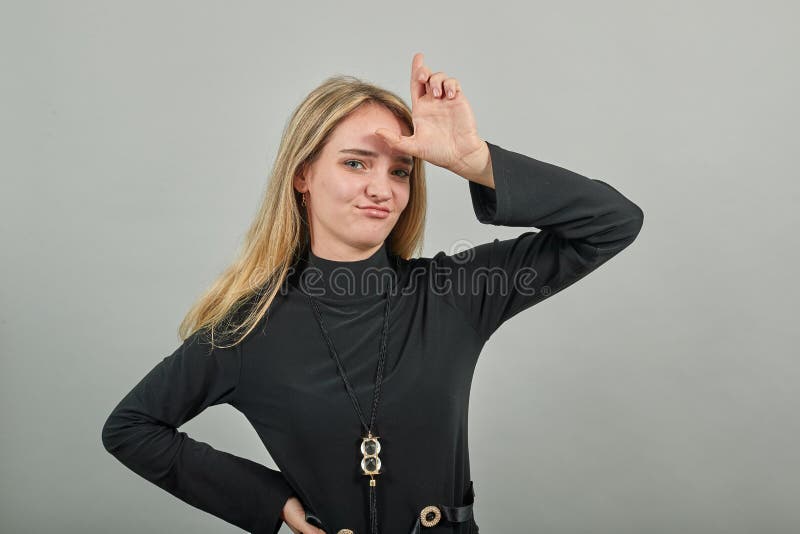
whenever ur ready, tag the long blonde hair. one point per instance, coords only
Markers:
(279, 233)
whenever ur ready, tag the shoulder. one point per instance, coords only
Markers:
(421, 273)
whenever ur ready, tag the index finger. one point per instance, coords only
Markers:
(417, 86)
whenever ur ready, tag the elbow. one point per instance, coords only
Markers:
(630, 219)
(112, 432)
(107, 436)
(637, 219)
(630, 225)
(629, 222)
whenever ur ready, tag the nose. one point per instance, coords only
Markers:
(379, 188)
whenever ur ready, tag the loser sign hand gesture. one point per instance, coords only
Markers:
(445, 133)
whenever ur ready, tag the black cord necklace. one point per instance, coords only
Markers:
(370, 446)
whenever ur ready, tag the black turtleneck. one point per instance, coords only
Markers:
(347, 281)
(282, 378)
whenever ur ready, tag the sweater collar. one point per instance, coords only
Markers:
(347, 280)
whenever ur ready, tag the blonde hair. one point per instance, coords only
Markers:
(279, 233)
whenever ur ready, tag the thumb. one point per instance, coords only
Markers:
(310, 528)
(402, 143)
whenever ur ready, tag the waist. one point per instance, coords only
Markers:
(427, 516)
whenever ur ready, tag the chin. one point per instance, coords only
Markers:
(367, 235)
(368, 239)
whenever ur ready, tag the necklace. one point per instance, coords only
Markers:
(370, 446)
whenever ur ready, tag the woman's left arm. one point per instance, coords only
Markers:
(584, 222)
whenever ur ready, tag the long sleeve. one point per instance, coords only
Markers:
(583, 223)
(141, 432)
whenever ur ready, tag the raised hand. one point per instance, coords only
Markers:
(445, 133)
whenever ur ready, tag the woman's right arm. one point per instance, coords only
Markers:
(141, 432)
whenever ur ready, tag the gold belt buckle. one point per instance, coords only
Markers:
(430, 516)
(345, 531)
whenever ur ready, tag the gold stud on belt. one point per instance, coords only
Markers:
(345, 531)
(430, 516)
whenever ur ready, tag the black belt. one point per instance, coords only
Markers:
(429, 516)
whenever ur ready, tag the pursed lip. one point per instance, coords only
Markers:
(375, 208)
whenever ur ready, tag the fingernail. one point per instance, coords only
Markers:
(435, 91)
(450, 93)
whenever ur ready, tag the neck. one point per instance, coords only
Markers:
(343, 253)
(339, 280)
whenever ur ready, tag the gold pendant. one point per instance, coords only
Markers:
(370, 464)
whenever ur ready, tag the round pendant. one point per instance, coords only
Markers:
(370, 446)
(430, 516)
(371, 465)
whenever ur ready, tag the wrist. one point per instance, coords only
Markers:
(477, 166)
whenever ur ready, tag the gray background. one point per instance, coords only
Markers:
(657, 395)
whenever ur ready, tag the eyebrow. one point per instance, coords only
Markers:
(369, 153)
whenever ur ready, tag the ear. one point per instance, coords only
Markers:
(299, 180)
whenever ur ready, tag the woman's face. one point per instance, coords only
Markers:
(345, 181)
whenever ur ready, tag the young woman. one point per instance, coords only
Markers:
(352, 358)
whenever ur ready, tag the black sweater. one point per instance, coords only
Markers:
(282, 378)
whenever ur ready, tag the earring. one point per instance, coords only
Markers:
(304, 199)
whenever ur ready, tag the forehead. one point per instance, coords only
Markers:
(357, 130)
